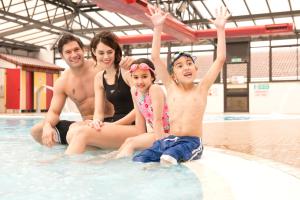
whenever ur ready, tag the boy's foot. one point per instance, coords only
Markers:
(168, 160)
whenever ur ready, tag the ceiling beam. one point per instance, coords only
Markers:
(249, 17)
(39, 24)
(115, 28)
(20, 45)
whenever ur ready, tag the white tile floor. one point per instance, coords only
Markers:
(228, 175)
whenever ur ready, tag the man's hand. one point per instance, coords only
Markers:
(48, 137)
(126, 62)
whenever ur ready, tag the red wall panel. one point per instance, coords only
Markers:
(13, 88)
(49, 93)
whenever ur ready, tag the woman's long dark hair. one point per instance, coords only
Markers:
(110, 39)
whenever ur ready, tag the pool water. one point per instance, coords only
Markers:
(31, 171)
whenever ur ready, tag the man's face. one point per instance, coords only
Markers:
(73, 54)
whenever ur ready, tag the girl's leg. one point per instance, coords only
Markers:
(110, 136)
(139, 142)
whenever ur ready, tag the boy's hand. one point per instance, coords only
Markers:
(222, 15)
(157, 16)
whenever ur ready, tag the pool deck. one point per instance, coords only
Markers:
(276, 139)
(229, 175)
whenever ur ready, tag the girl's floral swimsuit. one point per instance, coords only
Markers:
(145, 106)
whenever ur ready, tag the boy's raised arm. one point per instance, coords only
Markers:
(221, 17)
(158, 18)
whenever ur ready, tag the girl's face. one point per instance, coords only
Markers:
(105, 55)
(142, 79)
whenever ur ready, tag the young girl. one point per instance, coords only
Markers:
(150, 107)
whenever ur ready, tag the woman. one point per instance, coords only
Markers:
(114, 84)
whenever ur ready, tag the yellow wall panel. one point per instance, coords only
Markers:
(39, 83)
(55, 76)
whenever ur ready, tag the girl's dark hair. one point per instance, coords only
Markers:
(110, 39)
(66, 38)
(149, 63)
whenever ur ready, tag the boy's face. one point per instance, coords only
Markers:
(184, 70)
(73, 54)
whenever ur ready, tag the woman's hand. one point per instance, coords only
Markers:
(96, 124)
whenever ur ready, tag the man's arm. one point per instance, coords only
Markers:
(52, 116)
(220, 21)
(158, 19)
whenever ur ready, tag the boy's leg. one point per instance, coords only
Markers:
(152, 154)
(184, 149)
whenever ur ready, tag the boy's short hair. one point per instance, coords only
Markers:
(66, 38)
(175, 56)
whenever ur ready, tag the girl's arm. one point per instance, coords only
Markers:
(158, 19)
(158, 100)
(140, 122)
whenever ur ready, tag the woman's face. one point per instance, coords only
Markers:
(105, 55)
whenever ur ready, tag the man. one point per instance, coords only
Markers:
(77, 83)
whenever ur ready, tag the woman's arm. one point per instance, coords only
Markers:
(99, 101)
(126, 120)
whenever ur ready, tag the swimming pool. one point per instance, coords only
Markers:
(28, 171)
